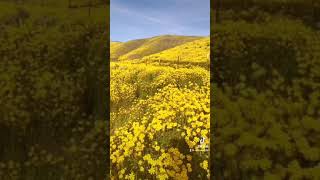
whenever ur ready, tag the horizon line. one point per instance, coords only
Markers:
(133, 39)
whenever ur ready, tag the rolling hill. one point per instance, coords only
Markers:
(136, 49)
(160, 102)
(194, 51)
(119, 49)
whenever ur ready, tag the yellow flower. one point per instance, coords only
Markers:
(157, 148)
(189, 167)
(122, 171)
(205, 164)
(152, 170)
(198, 130)
(189, 158)
(147, 157)
(204, 132)
(141, 136)
(150, 136)
(131, 176)
(182, 156)
(162, 170)
(196, 139)
(163, 177)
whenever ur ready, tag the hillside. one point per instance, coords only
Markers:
(195, 51)
(136, 49)
(119, 49)
(154, 107)
(115, 43)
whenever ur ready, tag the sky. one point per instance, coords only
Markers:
(136, 19)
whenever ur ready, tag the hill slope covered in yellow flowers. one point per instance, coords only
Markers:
(160, 111)
(194, 51)
(136, 49)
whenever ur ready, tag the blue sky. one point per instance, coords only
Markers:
(135, 19)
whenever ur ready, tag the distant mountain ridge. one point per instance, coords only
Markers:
(139, 48)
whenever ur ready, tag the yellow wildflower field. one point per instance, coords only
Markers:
(160, 121)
